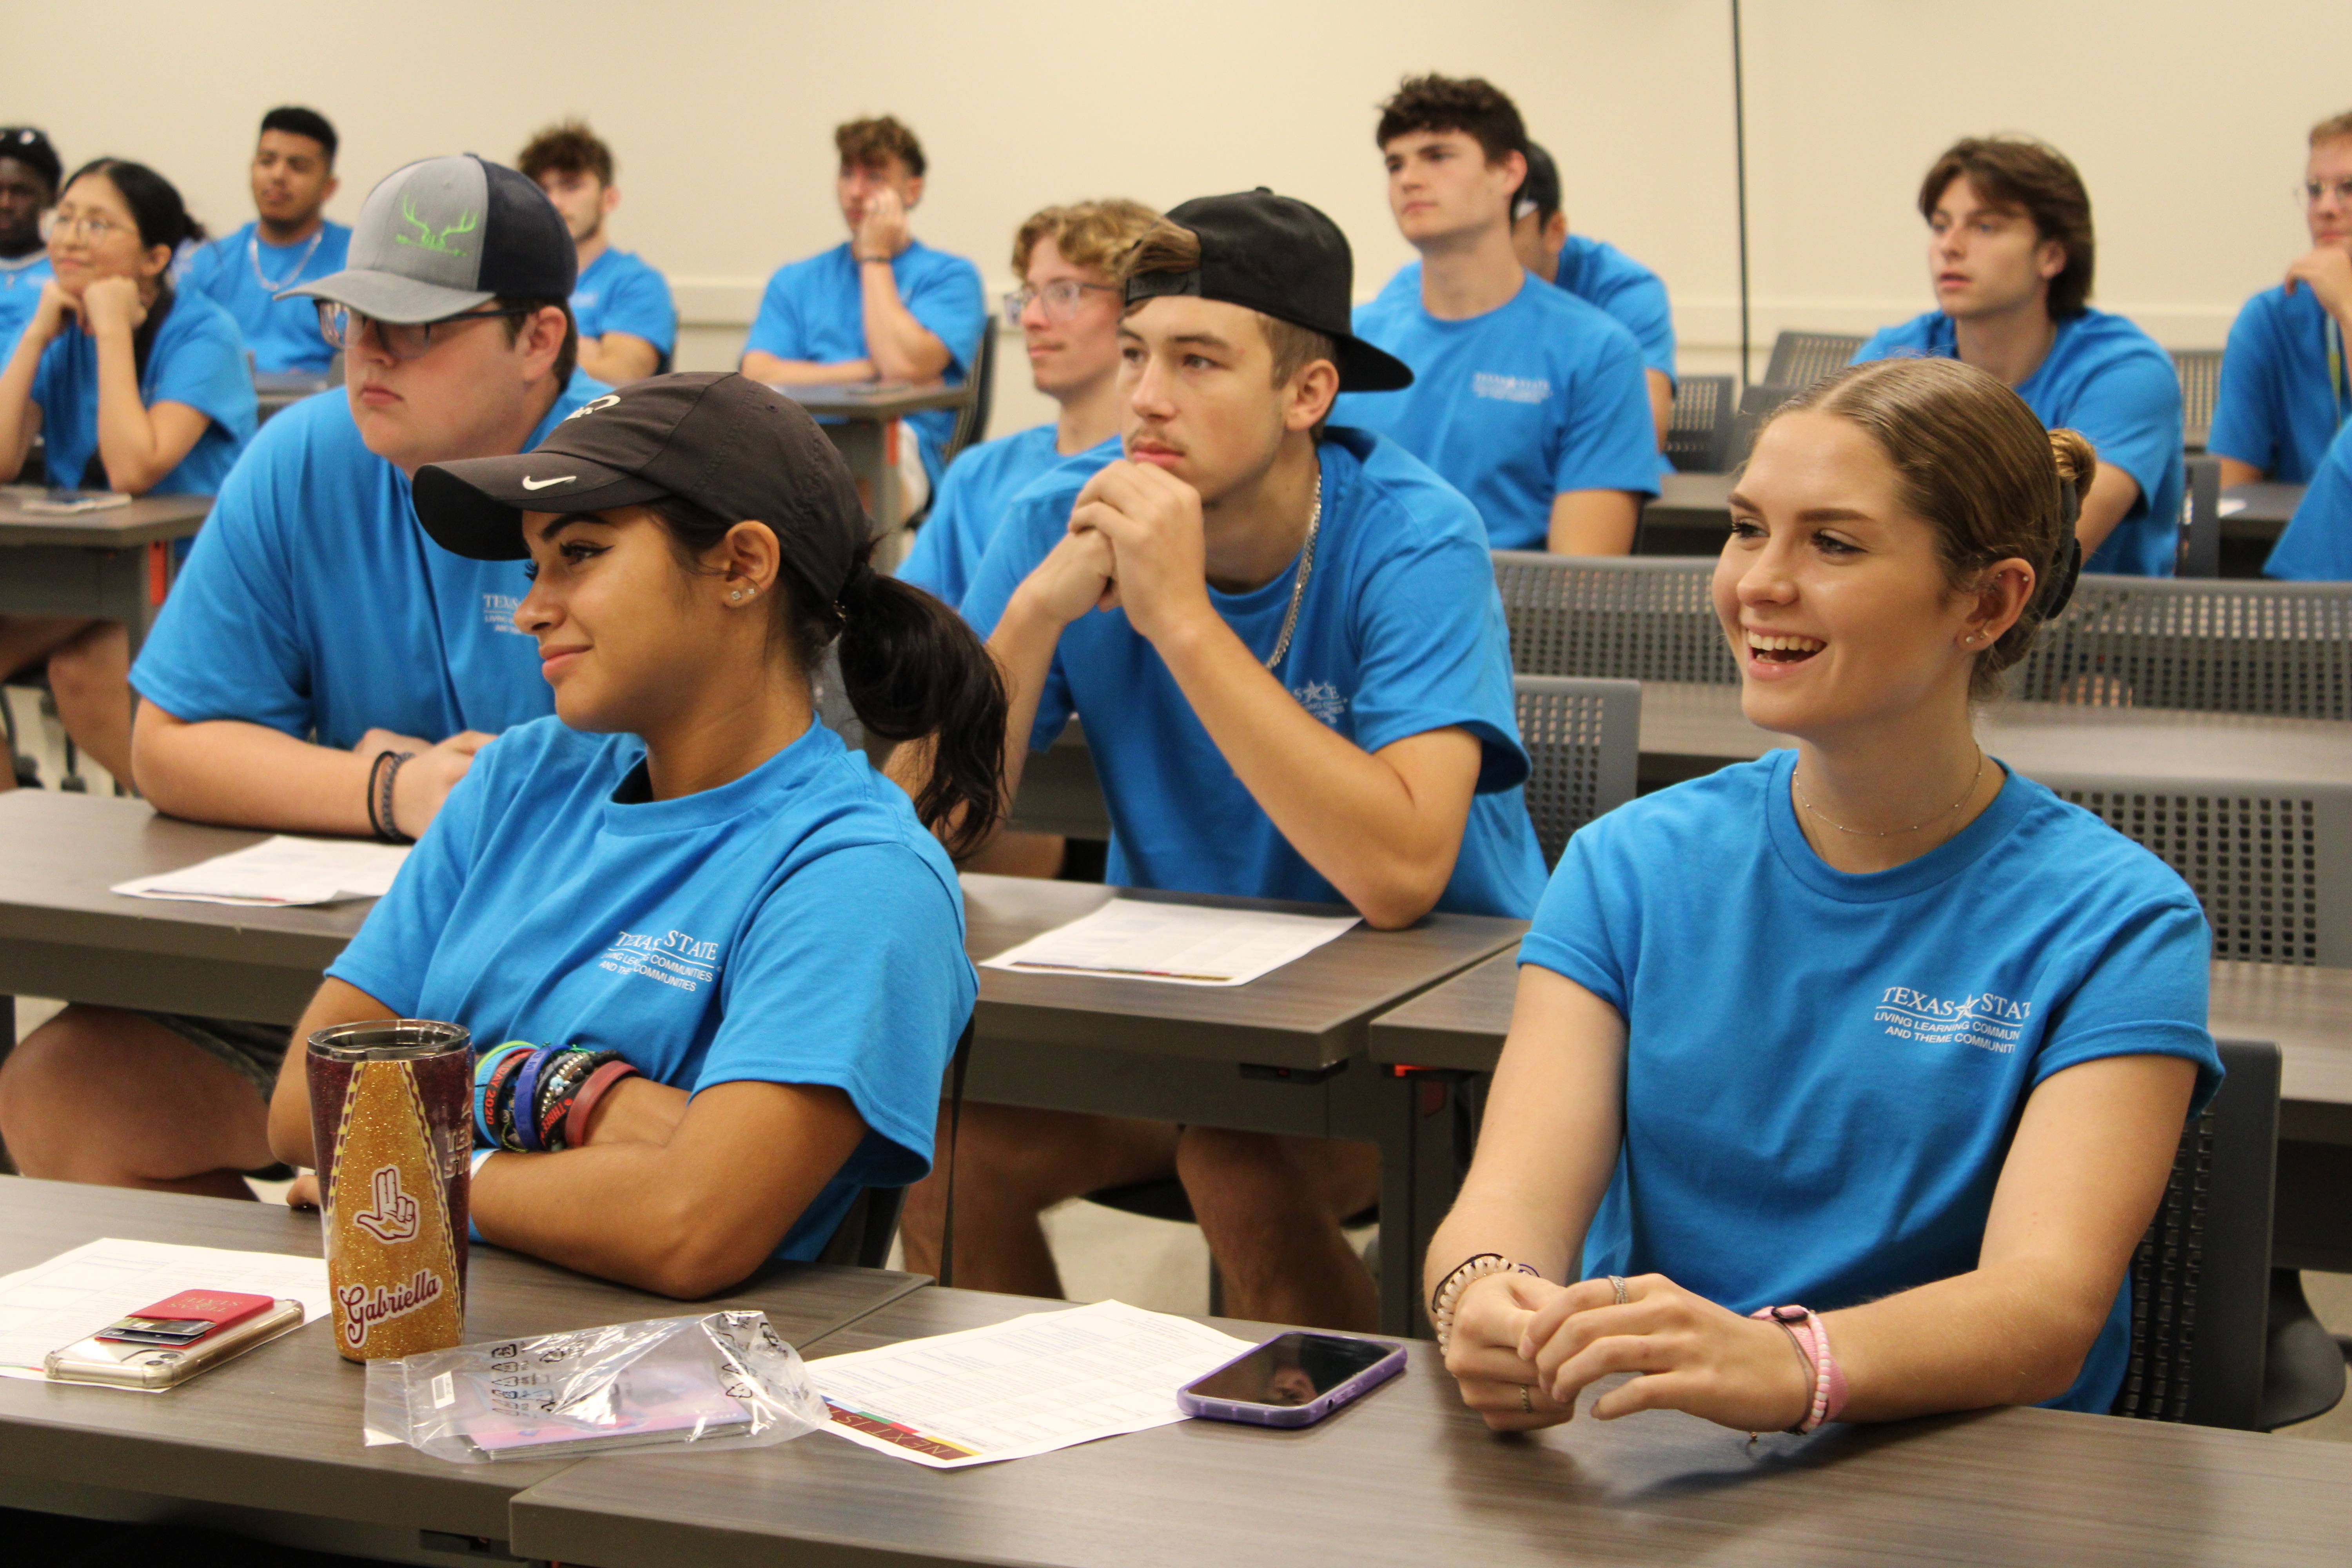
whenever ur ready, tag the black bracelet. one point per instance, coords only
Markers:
(381, 774)
(559, 1086)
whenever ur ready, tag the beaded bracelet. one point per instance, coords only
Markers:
(381, 774)
(1811, 1337)
(484, 1067)
(1448, 1294)
(557, 1085)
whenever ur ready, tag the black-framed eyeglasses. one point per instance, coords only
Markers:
(1061, 297)
(340, 326)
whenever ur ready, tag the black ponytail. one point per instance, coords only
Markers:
(162, 219)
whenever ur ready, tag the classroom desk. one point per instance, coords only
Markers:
(278, 390)
(269, 1445)
(113, 565)
(1409, 1476)
(862, 418)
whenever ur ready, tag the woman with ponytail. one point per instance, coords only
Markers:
(133, 389)
(733, 952)
(1842, 1084)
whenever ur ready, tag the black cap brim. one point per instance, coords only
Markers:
(1363, 368)
(474, 508)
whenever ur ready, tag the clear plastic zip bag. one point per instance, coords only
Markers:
(725, 1380)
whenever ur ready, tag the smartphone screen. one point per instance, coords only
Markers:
(1292, 1369)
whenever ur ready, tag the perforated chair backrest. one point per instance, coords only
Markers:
(1584, 740)
(1698, 437)
(2201, 1278)
(1801, 358)
(972, 419)
(1624, 617)
(2227, 646)
(2200, 384)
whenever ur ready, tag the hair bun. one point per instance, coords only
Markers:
(2076, 458)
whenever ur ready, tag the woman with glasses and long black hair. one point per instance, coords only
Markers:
(133, 389)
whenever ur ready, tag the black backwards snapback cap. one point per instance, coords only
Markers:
(450, 235)
(1283, 258)
(713, 438)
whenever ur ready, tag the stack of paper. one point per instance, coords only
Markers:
(72, 1296)
(1177, 944)
(1027, 1385)
(280, 871)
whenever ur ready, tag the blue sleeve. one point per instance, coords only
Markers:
(204, 268)
(1641, 306)
(778, 330)
(207, 370)
(1588, 924)
(2247, 406)
(1609, 441)
(389, 957)
(2317, 545)
(1880, 344)
(2131, 413)
(1030, 530)
(228, 643)
(1430, 624)
(640, 305)
(2144, 994)
(948, 304)
(870, 1007)
(935, 564)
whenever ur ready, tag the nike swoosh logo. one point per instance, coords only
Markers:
(531, 484)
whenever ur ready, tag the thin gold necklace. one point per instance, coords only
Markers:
(1867, 833)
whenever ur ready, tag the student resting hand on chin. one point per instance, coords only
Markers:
(1948, 1024)
(681, 867)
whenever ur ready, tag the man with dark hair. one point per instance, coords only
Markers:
(1303, 691)
(29, 172)
(2009, 254)
(1527, 399)
(322, 667)
(628, 327)
(885, 306)
(248, 272)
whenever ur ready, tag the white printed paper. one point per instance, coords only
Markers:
(280, 872)
(1027, 1385)
(73, 1295)
(1175, 944)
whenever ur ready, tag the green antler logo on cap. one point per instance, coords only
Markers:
(430, 239)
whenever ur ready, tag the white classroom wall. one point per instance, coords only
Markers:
(2187, 120)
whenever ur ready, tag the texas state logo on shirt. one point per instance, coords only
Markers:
(1510, 388)
(1323, 700)
(1986, 1021)
(673, 958)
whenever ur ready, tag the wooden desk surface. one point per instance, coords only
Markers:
(1409, 1476)
(279, 1428)
(1308, 1014)
(143, 522)
(875, 400)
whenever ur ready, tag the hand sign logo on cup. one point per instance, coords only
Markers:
(394, 1215)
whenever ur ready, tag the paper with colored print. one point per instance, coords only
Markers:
(1175, 944)
(278, 871)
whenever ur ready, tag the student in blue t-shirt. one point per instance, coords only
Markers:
(2317, 545)
(132, 388)
(2010, 253)
(2286, 385)
(885, 306)
(319, 667)
(628, 328)
(1873, 1038)
(1524, 398)
(682, 871)
(291, 242)
(1291, 653)
(29, 172)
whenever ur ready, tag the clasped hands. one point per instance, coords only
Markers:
(1523, 1349)
(105, 302)
(1135, 543)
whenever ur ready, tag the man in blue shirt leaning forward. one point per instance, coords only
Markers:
(249, 272)
(322, 667)
(1303, 690)
(628, 328)
(883, 307)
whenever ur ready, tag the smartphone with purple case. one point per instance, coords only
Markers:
(1292, 1380)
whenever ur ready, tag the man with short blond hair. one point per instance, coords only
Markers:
(628, 327)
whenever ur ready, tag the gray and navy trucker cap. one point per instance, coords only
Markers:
(446, 236)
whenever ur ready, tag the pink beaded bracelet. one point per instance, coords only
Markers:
(1812, 1338)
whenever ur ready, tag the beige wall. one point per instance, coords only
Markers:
(2187, 120)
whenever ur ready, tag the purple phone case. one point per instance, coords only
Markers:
(1307, 1414)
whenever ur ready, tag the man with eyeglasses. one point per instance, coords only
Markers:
(248, 273)
(320, 666)
(2286, 383)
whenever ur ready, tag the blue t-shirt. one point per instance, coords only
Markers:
(243, 274)
(1823, 1071)
(618, 292)
(1598, 273)
(20, 295)
(2283, 395)
(1400, 631)
(707, 939)
(1539, 395)
(814, 309)
(980, 484)
(196, 359)
(2105, 378)
(315, 604)
(2317, 545)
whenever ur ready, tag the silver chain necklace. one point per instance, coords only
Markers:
(253, 258)
(1866, 833)
(1306, 566)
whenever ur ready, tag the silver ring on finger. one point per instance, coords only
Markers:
(1527, 1399)
(1617, 1283)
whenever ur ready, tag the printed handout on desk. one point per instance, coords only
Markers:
(1176, 945)
(77, 1293)
(1027, 1385)
(280, 872)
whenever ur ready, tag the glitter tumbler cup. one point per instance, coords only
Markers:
(392, 1117)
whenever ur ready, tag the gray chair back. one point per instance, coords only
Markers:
(1620, 618)
(1698, 437)
(2200, 521)
(2200, 371)
(2226, 646)
(1583, 740)
(2201, 1278)
(868, 1227)
(1801, 358)
(972, 419)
